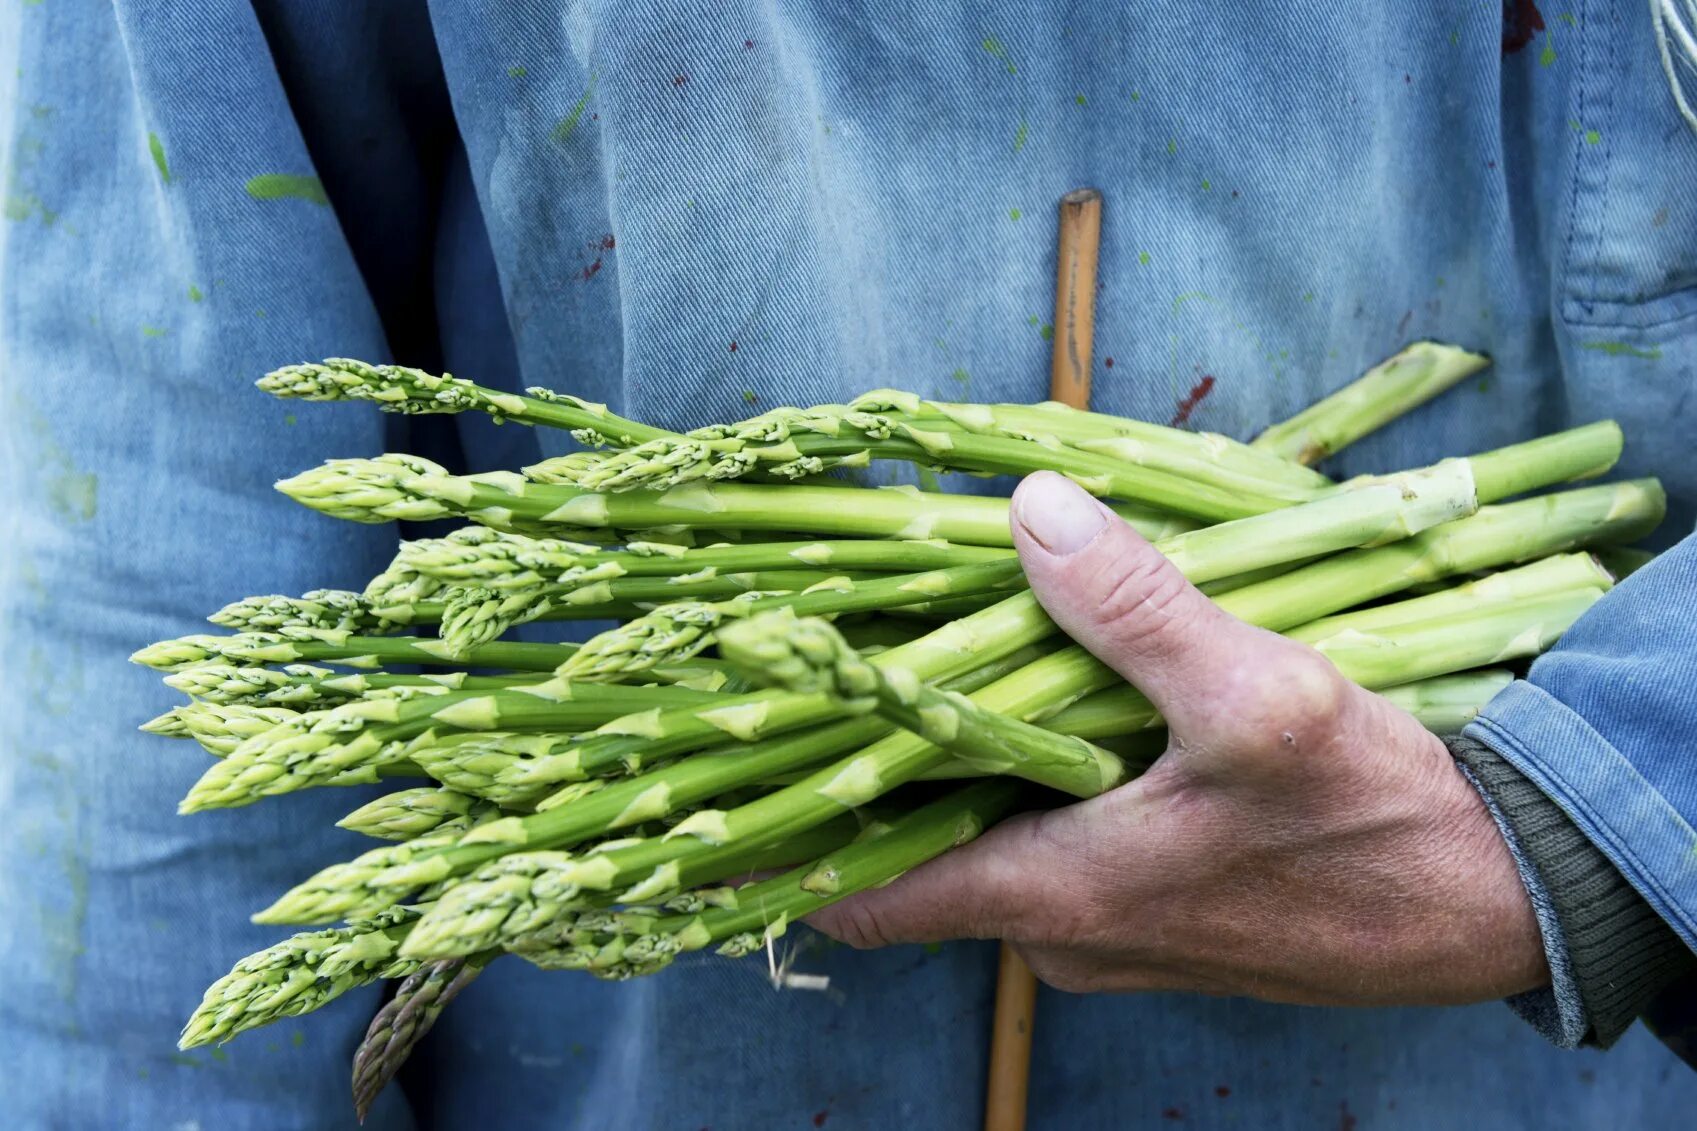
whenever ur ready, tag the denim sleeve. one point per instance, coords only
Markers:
(1604, 726)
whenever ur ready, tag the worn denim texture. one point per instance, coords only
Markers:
(690, 209)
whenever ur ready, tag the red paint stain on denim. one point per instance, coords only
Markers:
(1198, 393)
(1109, 363)
(748, 45)
(1173, 1113)
(679, 80)
(733, 347)
(608, 243)
(1346, 1118)
(1222, 1090)
(591, 271)
(819, 1117)
(1521, 21)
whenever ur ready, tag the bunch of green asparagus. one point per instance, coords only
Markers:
(812, 681)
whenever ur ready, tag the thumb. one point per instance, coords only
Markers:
(1117, 595)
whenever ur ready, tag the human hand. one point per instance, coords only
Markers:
(1300, 840)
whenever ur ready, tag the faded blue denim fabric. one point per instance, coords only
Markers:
(694, 212)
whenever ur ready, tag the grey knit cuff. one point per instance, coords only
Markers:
(1617, 952)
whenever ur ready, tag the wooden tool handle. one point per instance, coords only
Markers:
(1075, 297)
(1069, 383)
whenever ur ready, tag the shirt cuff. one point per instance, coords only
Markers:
(1609, 951)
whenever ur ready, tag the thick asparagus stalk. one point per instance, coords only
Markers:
(1496, 536)
(1545, 577)
(1443, 704)
(1395, 386)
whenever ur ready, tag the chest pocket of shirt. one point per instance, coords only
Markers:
(1629, 258)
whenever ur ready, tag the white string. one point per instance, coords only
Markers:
(783, 978)
(1670, 24)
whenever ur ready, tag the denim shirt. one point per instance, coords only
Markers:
(695, 212)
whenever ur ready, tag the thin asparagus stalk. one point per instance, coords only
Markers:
(337, 610)
(403, 1022)
(219, 728)
(410, 813)
(406, 487)
(766, 906)
(808, 655)
(1200, 455)
(299, 975)
(334, 745)
(484, 768)
(1395, 386)
(479, 556)
(675, 632)
(397, 388)
(303, 685)
(343, 611)
(798, 444)
(297, 645)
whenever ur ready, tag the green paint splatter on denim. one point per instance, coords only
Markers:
(1019, 136)
(565, 127)
(157, 148)
(517, 71)
(1013, 214)
(1592, 137)
(1080, 100)
(285, 186)
(73, 495)
(1143, 258)
(995, 48)
(1548, 55)
(195, 293)
(1048, 332)
(1622, 349)
(153, 332)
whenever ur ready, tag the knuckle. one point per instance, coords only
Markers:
(1299, 698)
(1143, 597)
(1071, 905)
(858, 925)
(1062, 972)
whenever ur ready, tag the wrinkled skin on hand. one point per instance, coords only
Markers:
(1300, 840)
